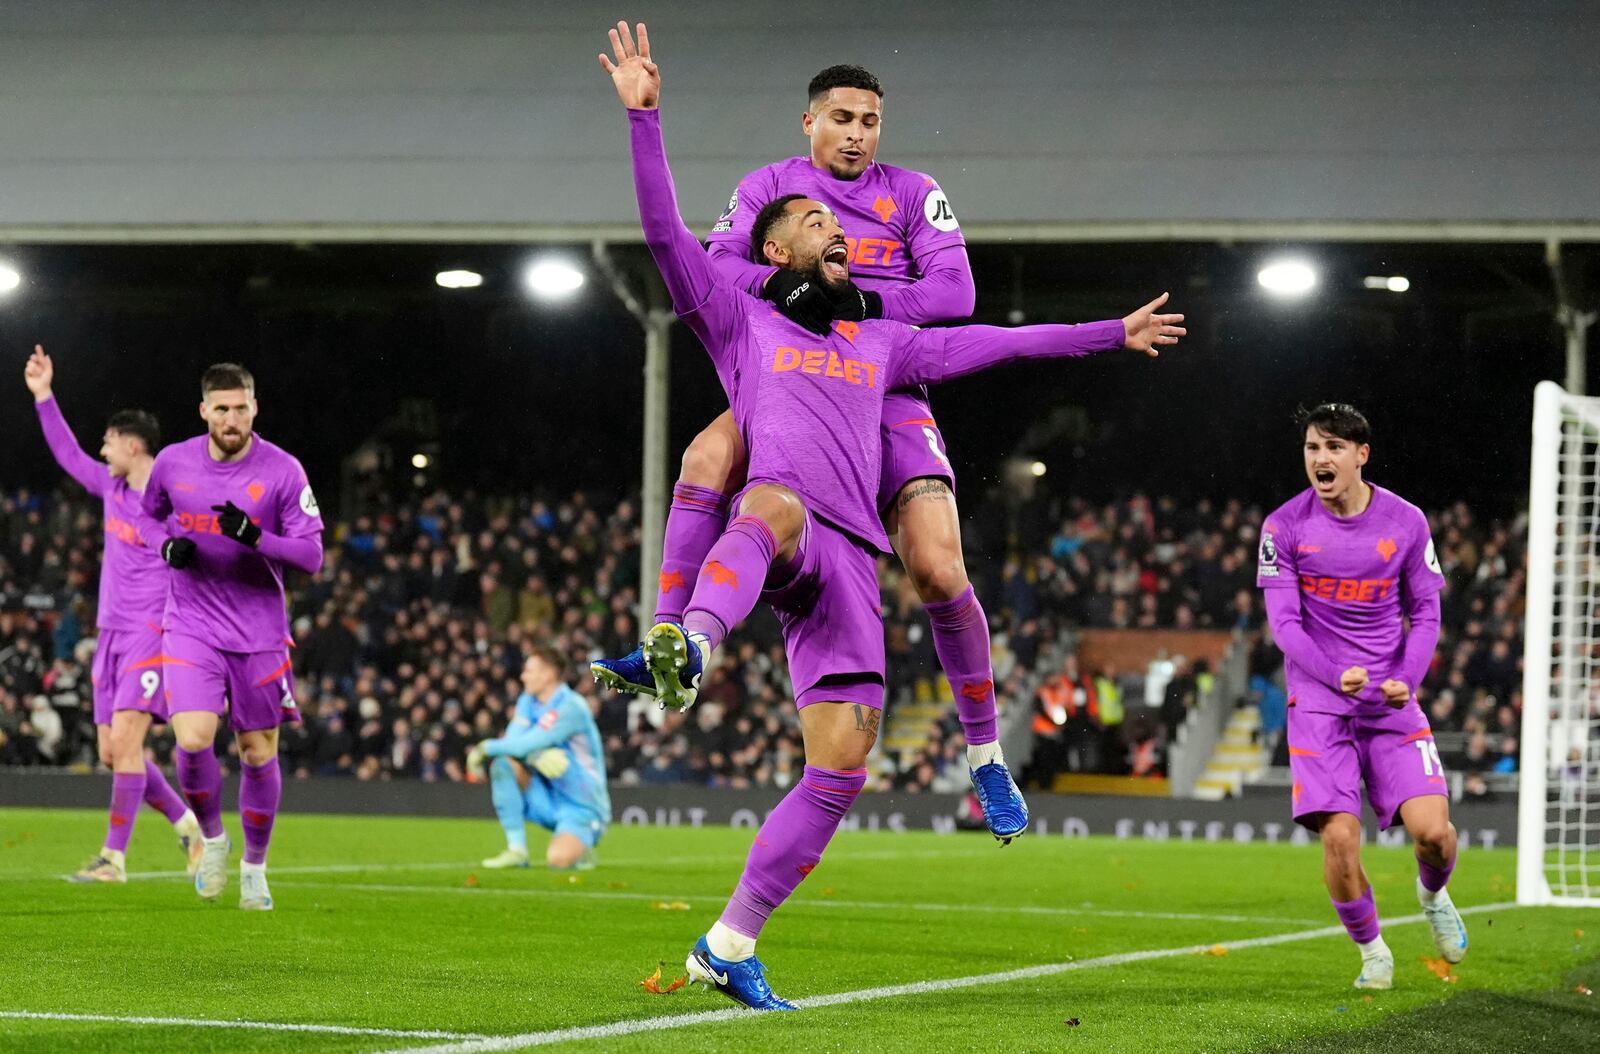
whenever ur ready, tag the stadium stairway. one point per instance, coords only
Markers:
(912, 718)
(1239, 758)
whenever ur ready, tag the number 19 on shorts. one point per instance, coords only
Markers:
(1431, 764)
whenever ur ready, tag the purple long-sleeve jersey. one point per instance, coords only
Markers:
(809, 406)
(1356, 580)
(232, 596)
(905, 244)
(133, 580)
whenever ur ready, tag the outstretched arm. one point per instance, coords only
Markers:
(89, 473)
(698, 298)
(929, 356)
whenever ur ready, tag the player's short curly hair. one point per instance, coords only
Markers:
(843, 77)
(226, 377)
(771, 214)
(140, 424)
(1335, 419)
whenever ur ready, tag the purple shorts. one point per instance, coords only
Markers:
(1330, 755)
(128, 674)
(257, 687)
(832, 619)
(912, 445)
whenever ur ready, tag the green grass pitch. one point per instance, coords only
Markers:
(388, 924)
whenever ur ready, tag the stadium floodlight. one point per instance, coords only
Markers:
(10, 278)
(1287, 277)
(552, 279)
(419, 460)
(458, 279)
(1393, 283)
(1037, 468)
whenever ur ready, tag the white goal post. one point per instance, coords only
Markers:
(1558, 815)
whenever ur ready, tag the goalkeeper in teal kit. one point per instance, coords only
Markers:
(547, 769)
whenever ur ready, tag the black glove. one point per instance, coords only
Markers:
(178, 552)
(233, 523)
(803, 300)
(857, 304)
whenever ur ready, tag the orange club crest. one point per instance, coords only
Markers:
(256, 489)
(1387, 549)
(884, 207)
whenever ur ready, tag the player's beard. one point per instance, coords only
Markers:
(230, 443)
(838, 291)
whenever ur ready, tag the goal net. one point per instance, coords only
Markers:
(1558, 822)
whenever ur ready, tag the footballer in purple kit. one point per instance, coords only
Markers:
(808, 530)
(908, 263)
(239, 510)
(127, 673)
(1345, 567)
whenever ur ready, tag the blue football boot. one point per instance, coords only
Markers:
(628, 674)
(743, 982)
(675, 664)
(1003, 808)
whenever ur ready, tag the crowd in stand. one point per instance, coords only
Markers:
(410, 638)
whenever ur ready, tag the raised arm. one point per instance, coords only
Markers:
(89, 473)
(698, 296)
(929, 356)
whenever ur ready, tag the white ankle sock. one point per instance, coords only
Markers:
(729, 944)
(1429, 897)
(1375, 949)
(981, 754)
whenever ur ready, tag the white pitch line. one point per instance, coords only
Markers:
(332, 869)
(469, 865)
(861, 905)
(265, 1026)
(658, 1024)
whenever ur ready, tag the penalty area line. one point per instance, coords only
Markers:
(659, 1024)
(262, 1026)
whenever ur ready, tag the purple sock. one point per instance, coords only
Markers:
(730, 581)
(1434, 878)
(200, 780)
(790, 844)
(961, 640)
(126, 790)
(159, 795)
(694, 524)
(1360, 916)
(260, 789)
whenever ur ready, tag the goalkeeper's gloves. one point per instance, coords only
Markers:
(551, 763)
(475, 764)
(178, 552)
(233, 522)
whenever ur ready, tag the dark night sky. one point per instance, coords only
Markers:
(350, 342)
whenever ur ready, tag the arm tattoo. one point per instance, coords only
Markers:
(923, 488)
